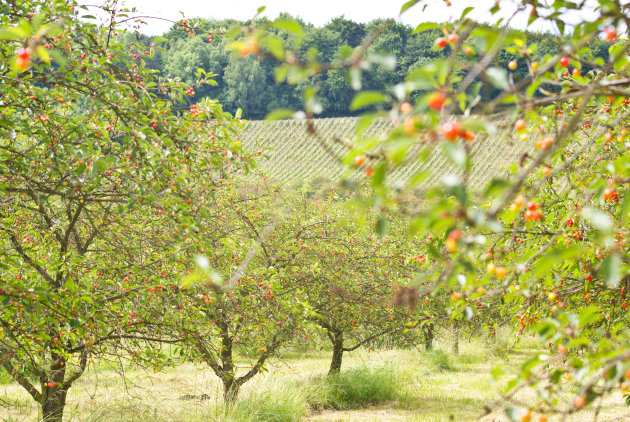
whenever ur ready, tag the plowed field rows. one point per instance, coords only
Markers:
(292, 153)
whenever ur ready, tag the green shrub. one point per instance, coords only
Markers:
(441, 360)
(283, 402)
(355, 388)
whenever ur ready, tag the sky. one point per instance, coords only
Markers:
(319, 12)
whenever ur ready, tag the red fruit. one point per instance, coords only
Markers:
(452, 38)
(520, 124)
(441, 42)
(532, 215)
(451, 130)
(468, 135)
(22, 58)
(609, 194)
(570, 222)
(359, 160)
(436, 100)
(531, 206)
(23, 53)
(544, 143)
(369, 172)
(564, 62)
(610, 34)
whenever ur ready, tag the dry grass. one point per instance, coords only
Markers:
(428, 392)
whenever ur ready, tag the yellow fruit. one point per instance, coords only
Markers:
(579, 402)
(410, 126)
(406, 107)
(491, 268)
(451, 244)
(525, 415)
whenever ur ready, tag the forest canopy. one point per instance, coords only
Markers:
(249, 82)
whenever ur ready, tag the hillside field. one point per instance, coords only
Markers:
(292, 153)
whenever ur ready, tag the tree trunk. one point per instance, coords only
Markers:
(428, 337)
(53, 403)
(228, 376)
(230, 390)
(337, 342)
(53, 398)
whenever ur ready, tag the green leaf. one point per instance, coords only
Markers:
(457, 154)
(611, 270)
(496, 186)
(381, 226)
(12, 34)
(498, 77)
(468, 312)
(466, 12)
(58, 57)
(276, 46)
(560, 24)
(80, 169)
(512, 413)
(589, 315)
(553, 257)
(367, 98)
(289, 26)
(100, 166)
(280, 114)
(425, 27)
(598, 219)
(625, 209)
(408, 5)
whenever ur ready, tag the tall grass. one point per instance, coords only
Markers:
(282, 401)
(285, 400)
(440, 360)
(356, 388)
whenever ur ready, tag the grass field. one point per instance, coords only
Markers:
(387, 385)
(293, 154)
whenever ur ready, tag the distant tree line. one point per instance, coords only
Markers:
(249, 83)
